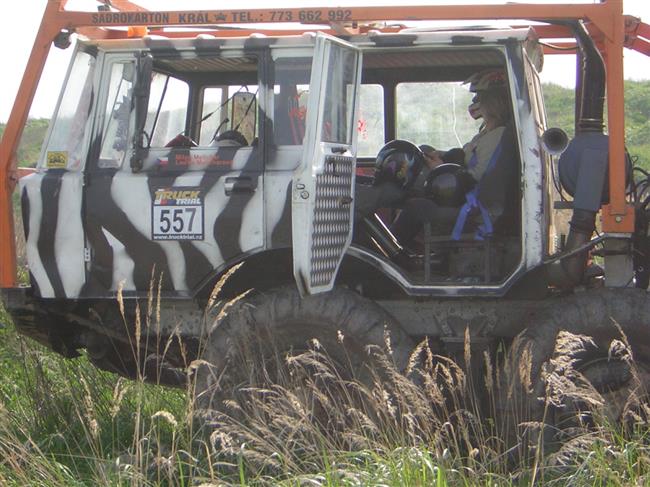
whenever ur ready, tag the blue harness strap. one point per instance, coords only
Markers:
(472, 202)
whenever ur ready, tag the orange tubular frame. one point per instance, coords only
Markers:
(605, 20)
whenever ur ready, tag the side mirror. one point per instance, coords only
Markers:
(555, 141)
(141, 91)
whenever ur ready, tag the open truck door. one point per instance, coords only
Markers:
(323, 184)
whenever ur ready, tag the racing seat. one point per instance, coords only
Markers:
(498, 189)
(489, 215)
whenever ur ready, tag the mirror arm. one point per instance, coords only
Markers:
(140, 103)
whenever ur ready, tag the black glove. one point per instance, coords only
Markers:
(454, 156)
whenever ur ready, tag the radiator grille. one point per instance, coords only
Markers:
(331, 218)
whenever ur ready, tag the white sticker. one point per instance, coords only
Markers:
(177, 214)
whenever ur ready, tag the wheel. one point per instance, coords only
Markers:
(586, 360)
(250, 340)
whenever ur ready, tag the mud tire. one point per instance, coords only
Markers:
(604, 315)
(262, 328)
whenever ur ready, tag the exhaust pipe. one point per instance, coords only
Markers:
(591, 103)
(555, 141)
(583, 166)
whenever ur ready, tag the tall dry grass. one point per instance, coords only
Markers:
(440, 422)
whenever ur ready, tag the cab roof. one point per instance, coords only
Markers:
(373, 38)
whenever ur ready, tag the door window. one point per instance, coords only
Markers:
(167, 110)
(339, 96)
(291, 93)
(117, 115)
(229, 114)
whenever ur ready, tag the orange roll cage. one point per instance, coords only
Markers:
(611, 30)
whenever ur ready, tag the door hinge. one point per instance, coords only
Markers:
(86, 254)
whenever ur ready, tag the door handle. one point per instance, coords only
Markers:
(238, 184)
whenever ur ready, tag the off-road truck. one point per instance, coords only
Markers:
(178, 160)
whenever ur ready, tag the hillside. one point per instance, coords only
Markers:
(559, 112)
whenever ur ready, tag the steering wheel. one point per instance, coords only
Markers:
(447, 184)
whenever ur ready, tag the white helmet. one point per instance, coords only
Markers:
(488, 79)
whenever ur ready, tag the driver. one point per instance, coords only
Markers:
(489, 103)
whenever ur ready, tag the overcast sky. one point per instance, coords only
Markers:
(19, 22)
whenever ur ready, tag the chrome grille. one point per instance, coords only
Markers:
(332, 218)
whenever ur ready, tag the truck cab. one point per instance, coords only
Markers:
(179, 163)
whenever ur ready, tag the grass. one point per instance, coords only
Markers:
(72, 421)
(65, 423)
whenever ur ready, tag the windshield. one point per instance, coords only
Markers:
(435, 113)
(64, 149)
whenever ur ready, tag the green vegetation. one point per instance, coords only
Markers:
(30, 144)
(559, 111)
(65, 423)
(559, 103)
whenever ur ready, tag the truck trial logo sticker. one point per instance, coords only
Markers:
(56, 159)
(177, 214)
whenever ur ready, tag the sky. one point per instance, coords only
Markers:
(19, 21)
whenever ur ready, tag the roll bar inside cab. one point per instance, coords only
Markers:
(610, 30)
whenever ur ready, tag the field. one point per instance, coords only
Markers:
(65, 423)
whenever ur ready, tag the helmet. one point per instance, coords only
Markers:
(488, 79)
(446, 185)
(399, 161)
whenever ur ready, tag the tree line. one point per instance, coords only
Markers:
(559, 103)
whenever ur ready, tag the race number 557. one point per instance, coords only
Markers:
(171, 222)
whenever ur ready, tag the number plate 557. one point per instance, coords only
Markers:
(177, 222)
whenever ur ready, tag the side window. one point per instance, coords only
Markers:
(65, 143)
(117, 115)
(371, 120)
(167, 110)
(290, 93)
(434, 114)
(229, 115)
